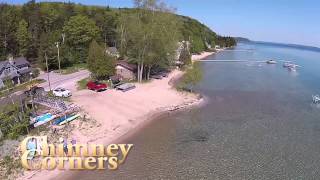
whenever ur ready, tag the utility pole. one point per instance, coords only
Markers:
(57, 45)
(63, 35)
(45, 56)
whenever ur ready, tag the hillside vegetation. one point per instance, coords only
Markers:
(35, 30)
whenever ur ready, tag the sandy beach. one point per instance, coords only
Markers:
(117, 113)
(201, 56)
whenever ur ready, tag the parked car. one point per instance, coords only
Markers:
(126, 87)
(35, 90)
(61, 92)
(96, 86)
(116, 80)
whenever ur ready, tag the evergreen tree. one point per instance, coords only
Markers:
(23, 37)
(80, 31)
(100, 64)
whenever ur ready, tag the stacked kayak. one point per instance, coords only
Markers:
(68, 119)
(61, 119)
(40, 120)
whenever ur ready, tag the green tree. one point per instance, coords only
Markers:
(193, 75)
(100, 64)
(149, 35)
(14, 121)
(185, 55)
(10, 17)
(47, 45)
(80, 30)
(23, 37)
(31, 13)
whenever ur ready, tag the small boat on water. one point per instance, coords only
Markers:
(271, 62)
(290, 66)
(287, 64)
(316, 99)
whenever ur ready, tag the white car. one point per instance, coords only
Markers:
(61, 92)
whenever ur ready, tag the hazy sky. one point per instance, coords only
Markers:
(288, 21)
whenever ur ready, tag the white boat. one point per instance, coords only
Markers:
(271, 62)
(287, 64)
(316, 99)
(290, 66)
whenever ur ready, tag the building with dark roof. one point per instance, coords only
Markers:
(126, 70)
(14, 69)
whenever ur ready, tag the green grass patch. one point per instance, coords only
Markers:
(191, 78)
(72, 69)
(82, 84)
(8, 91)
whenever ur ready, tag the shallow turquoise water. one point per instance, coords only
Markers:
(259, 123)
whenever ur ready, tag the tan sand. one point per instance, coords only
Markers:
(201, 56)
(118, 113)
(205, 54)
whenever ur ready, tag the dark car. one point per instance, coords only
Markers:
(115, 80)
(96, 86)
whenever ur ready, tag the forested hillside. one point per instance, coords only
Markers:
(34, 29)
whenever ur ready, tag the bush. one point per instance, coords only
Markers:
(82, 84)
(14, 122)
(192, 76)
(35, 72)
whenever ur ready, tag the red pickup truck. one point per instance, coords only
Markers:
(96, 86)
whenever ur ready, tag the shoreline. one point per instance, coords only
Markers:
(131, 123)
(205, 54)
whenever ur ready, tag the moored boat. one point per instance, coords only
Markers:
(316, 99)
(271, 62)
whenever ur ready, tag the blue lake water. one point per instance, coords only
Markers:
(259, 123)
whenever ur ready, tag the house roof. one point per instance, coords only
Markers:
(17, 62)
(3, 64)
(125, 64)
(20, 61)
(24, 71)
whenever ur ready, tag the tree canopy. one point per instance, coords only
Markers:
(100, 63)
(34, 28)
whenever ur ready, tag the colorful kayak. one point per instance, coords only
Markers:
(44, 119)
(69, 119)
(58, 121)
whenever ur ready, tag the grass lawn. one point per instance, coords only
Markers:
(72, 69)
(6, 92)
(82, 84)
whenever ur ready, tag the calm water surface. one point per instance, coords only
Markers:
(259, 123)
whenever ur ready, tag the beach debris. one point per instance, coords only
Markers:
(178, 107)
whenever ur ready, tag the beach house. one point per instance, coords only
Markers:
(16, 70)
(126, 70)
